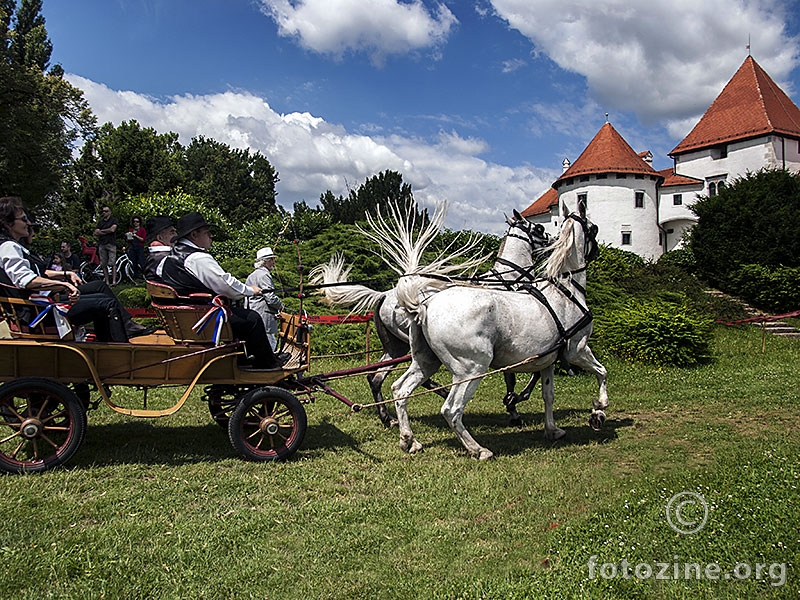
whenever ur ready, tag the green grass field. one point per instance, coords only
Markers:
(164, 509)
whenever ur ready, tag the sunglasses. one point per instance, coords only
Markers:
(23, 218)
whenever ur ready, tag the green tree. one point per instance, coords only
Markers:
(240, 183)
(376, 191)
(135, 160)
(41, 114)
(753, 221)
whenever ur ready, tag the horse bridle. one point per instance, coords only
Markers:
(591, 250)
(536, 237)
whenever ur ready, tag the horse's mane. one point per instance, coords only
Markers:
(402, 245)
(561, 249)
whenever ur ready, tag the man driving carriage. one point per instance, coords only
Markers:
(189, 269)
(22, 272)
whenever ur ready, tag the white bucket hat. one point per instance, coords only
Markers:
(265, 253)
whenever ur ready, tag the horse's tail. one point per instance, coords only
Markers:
(360, 297)
(403, 242)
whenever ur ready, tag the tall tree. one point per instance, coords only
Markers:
(240, 183)
(753, 221)
(41, 114)
(386, 186)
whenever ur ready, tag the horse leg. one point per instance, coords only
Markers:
(585, 359)
(431, 385)
(551, 432)
(376, 384)
(453, 413)
(511, 398)
(401, 389)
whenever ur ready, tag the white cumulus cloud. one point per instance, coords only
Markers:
(312, 155)
(377, 27)
(663, 60)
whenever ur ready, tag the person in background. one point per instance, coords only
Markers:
(190, 268)
(57, 264)
(72, 262)
(106, 234)
(136, 236)
(267, 304)
(25, 272)
(160, 230)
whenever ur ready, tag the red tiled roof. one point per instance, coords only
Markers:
(608, 152)
(750, 105)
(672, 179)
(542, 205)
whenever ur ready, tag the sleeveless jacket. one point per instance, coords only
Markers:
(175, 275)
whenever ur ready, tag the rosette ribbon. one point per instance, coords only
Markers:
(218, 313)
(60, 315)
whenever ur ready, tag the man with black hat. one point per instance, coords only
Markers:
(160, 230)
(189, 268)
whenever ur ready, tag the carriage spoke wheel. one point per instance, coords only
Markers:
(222, 399)
(268, 424)
(42, 424)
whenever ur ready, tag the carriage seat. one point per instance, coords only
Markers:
(17, 312)
(178, 314)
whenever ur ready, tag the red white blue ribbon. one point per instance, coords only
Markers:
(218, 313)
(49, 305)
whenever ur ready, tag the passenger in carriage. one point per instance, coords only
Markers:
(190, 268)
(160, 230)
(23, 272)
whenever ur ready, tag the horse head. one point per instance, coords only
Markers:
(575, 246)
(523, 242)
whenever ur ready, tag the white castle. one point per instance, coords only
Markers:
(751, 125)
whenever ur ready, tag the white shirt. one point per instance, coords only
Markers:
(203, 266)
(15, 262)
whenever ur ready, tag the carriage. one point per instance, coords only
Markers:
(48, 380)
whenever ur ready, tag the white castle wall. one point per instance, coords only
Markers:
(611, 206)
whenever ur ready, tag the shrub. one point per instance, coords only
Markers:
(682, 258)
(657, 332)
(776, 289)
(134, 297)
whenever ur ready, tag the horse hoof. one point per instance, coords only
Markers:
(596, 420)
(555, 434)
(390, 423)
(415, 447)
(485, 454)
(515, 421)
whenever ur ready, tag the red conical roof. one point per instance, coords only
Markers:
(608, 152)
(750, 105)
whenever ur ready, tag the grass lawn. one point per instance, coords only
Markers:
(164, 508)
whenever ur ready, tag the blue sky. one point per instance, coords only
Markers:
(475, 102)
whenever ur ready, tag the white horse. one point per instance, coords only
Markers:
(519, 254)
(472, 329)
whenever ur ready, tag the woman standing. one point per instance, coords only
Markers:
(136, 236)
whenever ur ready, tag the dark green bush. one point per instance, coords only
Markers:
(773, 289)
(657, 332)
(682, 258)
(133, 297)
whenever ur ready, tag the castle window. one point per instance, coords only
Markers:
(712, 189)
(639, 200)
(719, 152)
(720, 186)
(602, 176)
(582, 199)
(677, 199)
(584, 178)
(639, 176)
(621, 176)
(626, 238)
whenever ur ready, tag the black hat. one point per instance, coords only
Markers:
(156, 225)
(189, 223)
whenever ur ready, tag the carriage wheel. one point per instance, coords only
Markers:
(42, 425)
(222, 399)
(268, 424)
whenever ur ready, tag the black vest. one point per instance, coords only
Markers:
(175, 275)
